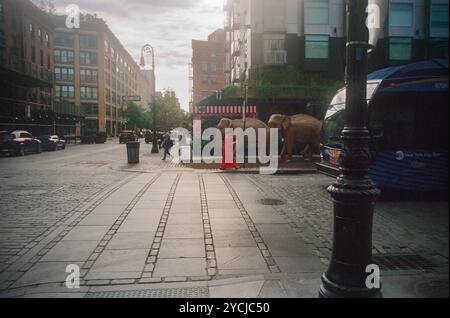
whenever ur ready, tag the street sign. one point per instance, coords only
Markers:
(131, 98)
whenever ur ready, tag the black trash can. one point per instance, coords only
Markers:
(133, 152)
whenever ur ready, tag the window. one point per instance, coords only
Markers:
(214, 68)
(90, 109)
(273, 44)
(47, 40)
(65, 91)
(205, 67)
(275, 57)
(213, 80)
(64, 56)
(88, 58)
(88, 41)
(89, 92)
(317, 12)
(316, 46)
(25, 135)
(64, 74)
(31, 30)
(49, 63)
(41, 39)
(205, 79)
(400, 49)
(439, 15)
(41, 55)
(63, 39)
(401, 15)
(88, 76)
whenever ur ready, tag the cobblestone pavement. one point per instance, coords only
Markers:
(160, 229)
(400, 226)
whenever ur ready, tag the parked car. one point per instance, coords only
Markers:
(19, 143)
(126, 136)
(52, 142)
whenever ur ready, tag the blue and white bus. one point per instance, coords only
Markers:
(408, 120)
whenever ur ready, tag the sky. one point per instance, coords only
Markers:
(168, 25)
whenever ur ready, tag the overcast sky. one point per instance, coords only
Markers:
(168, 25)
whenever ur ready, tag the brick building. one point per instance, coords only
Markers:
(208, 61)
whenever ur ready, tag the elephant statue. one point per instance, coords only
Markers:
(298, 130)
(239, 123)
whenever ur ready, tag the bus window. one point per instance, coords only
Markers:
(409, 121)
(333, 125)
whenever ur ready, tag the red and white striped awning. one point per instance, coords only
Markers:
(224, 110)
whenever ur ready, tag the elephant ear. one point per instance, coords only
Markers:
(286, 123)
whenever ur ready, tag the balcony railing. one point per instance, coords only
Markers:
(275, 57)
(43, 76)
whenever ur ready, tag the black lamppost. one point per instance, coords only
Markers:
(148, 49)
(354, 194)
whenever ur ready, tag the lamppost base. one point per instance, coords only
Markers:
(329, 289)
(155, 148)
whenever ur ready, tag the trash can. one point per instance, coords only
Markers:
(133, 152)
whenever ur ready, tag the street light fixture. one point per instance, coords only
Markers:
(148, 49)
(354, 194)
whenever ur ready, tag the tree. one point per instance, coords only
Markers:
(47, 6)
(169, 114)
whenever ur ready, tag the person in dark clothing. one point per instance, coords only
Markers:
(167, 145)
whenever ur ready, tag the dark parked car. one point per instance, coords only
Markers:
(126, 136)
(19, 143)
(52, 142)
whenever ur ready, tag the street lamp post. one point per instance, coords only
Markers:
(354, 194)
(148, 49)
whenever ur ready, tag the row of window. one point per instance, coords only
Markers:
(400, 14)
(42, 59)
(68, 91)
(68, 74)
(209, 79)
(66, 39)
(209, 67)
(40, 35)
(68, 57)
(317, 47)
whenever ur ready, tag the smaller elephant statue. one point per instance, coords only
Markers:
(239, 123)
(251, 123)
(298, 130)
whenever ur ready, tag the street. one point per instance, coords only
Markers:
(159, 229)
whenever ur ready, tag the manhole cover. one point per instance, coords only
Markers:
(433, 289)
(271, 202)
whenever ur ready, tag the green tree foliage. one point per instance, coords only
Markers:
(270, 83)
(169, 114)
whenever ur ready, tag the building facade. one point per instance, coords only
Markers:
(208, 62)
(310, 34)
(95, 72)
(26, 68)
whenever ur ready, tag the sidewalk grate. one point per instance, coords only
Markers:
(194, 292)
(403, 262)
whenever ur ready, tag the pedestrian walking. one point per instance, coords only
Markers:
(167, 145)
